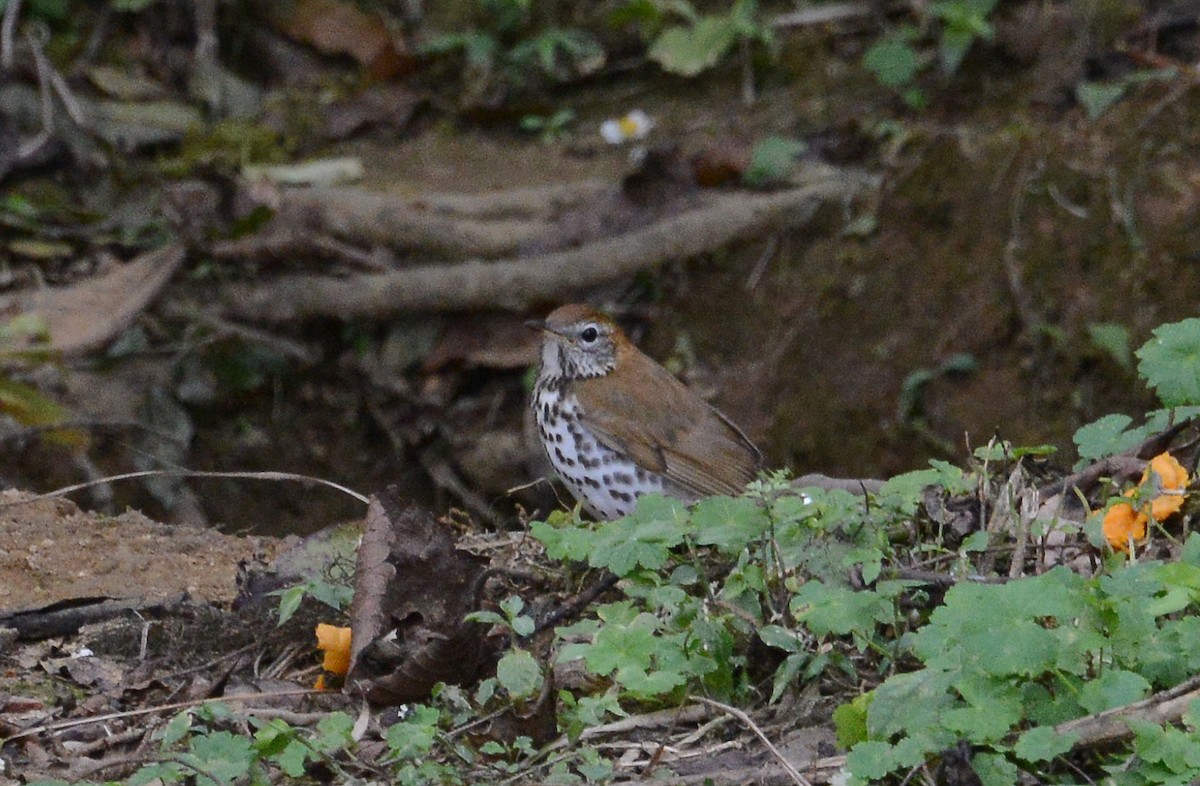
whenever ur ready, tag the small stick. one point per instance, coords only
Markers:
(179, 705)
(795, 775)
(187, 473)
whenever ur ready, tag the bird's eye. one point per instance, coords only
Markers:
(589, 334)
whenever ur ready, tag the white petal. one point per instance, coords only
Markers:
(611, 131)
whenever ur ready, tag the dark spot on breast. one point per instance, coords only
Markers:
(590, 481)
(606, 479)
(624, 478)
(558, 454)
(620, 496)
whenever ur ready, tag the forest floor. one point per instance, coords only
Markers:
(919, 282)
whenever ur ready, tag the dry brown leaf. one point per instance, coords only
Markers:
(412, 589)
(339, 28)
(86, 315)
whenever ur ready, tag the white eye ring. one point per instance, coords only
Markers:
(589, 334)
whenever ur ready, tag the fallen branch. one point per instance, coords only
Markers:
(517, 284)
(1112, 725)
(67, 617)
(377, 218)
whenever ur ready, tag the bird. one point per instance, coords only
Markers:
(616, 425)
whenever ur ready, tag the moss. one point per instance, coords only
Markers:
(226, 147)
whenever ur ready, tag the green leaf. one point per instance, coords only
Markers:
(292, 758)
(156, 774)
(785, 675)
(1174, 749)
(1113, 340)
(523, 625)
(871, 760)
(289, 601)
(850, 721)
(30, 407)
(1113, 688)
(486, 617)
(177, 729)
(893, 61)
(130, 6)
(519, 673)
(573, 543)
(334, 732)
(687, 51)
(994, 769)
(1106, 437)
(415, 734)
(616, 647)
(222, 756)
(643, 539)
(1097, 97)
(1043, 743)
(729, 523)
(826, 609)
(780, 638)
(772, 161)
(1170, 362)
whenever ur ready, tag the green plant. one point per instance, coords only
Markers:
(772, 161)
(509, 46)
(896, 59)
(1002, 665)
(703, 585)
(701, 41)
(1170, 364)
(549, 128)
(1097, 97)
(334, 594)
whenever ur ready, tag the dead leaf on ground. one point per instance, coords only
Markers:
(340, 28)
(412, 590)
(86, 315)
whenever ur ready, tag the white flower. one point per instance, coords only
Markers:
(633, 126)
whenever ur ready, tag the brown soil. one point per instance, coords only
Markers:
(51, 551)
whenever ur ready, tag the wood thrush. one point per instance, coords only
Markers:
(616, 425)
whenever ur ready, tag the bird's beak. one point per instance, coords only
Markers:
(538, 324)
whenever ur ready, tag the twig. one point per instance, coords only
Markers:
(108, 741)
(1113, 466)
(292, 349)
(578, 604)
(860, 486)
(446, 479)
(945, 579)
(179, 705)
(7, 27)
(828, 13)
(795, 775)
(185, 473)
(1015, 276)
(42, 66)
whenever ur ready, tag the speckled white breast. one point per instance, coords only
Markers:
(607, 484)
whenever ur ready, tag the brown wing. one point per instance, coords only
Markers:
(667, 428)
